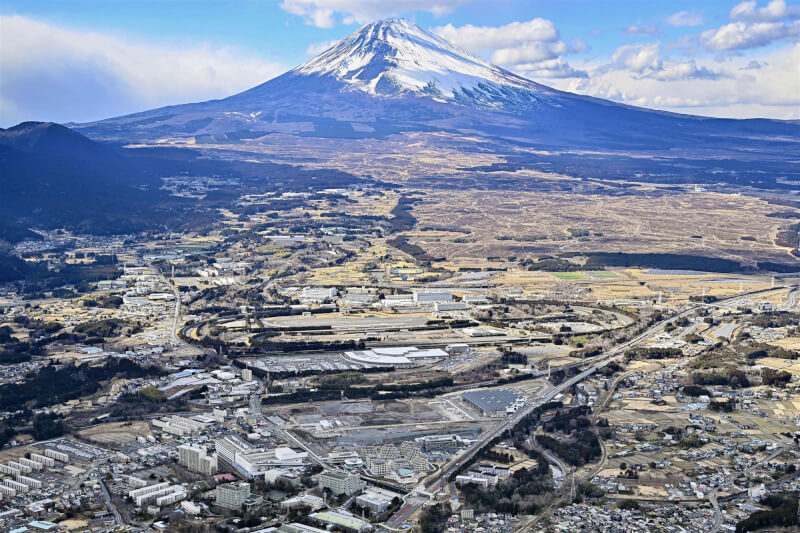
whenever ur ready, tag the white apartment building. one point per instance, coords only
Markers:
(44, 460)
(233, 495)
(196, 459)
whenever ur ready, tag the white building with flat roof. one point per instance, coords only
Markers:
(251, 459)
(399, 357)
(341, 483)
(432, 297)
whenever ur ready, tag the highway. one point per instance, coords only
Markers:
(792, 299)
(176, 315)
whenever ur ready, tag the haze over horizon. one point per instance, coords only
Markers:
(92, 62)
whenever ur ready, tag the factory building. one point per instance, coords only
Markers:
(431, 443)
(376, 499)
(432, 297)
(493, 403)
(180, 426)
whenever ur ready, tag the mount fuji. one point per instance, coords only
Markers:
(392, 77)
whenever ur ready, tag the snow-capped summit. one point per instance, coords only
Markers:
(395, 56)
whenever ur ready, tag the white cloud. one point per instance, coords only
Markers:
(49, 72)
(686, 70)
(685, 18)
(579, 46)
(550, 69)
(635, 29)
(775, 10)
(642, 61)
(528, 53)
(753, 65)
(533, 48)
(742, 35)
(638, 58)
(696, 87)
(483, 38)
(314, 49)
(321, 13)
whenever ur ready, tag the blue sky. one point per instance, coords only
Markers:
(79, 60)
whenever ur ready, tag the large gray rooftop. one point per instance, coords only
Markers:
(491, 400)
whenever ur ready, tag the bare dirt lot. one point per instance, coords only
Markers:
(115, 433)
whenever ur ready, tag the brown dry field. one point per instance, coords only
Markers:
(399, 158)
(627, 284)
(649, 221)
(115, 433)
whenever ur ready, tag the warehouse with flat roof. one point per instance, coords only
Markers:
(493, 403)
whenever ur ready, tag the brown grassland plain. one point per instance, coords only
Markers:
(648, 220)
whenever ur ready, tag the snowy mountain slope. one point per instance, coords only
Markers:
(391, 77)
(394, 56)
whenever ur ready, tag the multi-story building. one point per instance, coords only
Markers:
(340, 483)
(19, 487)
(378, 466)
(233, 495)
(179, 425)
(159, 494)
(35, 465)
(196, 460)
(254, 459)
(58, 456)
(430, 443)
(29, 481)
(46, 461)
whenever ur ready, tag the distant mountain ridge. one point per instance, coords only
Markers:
(55, 177)
(53, 139)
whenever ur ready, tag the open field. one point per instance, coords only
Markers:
(353, 272)
(568, 275)
(786, 365)
(632, 283)
(116, 433)
(645, 219)
(788, 343)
